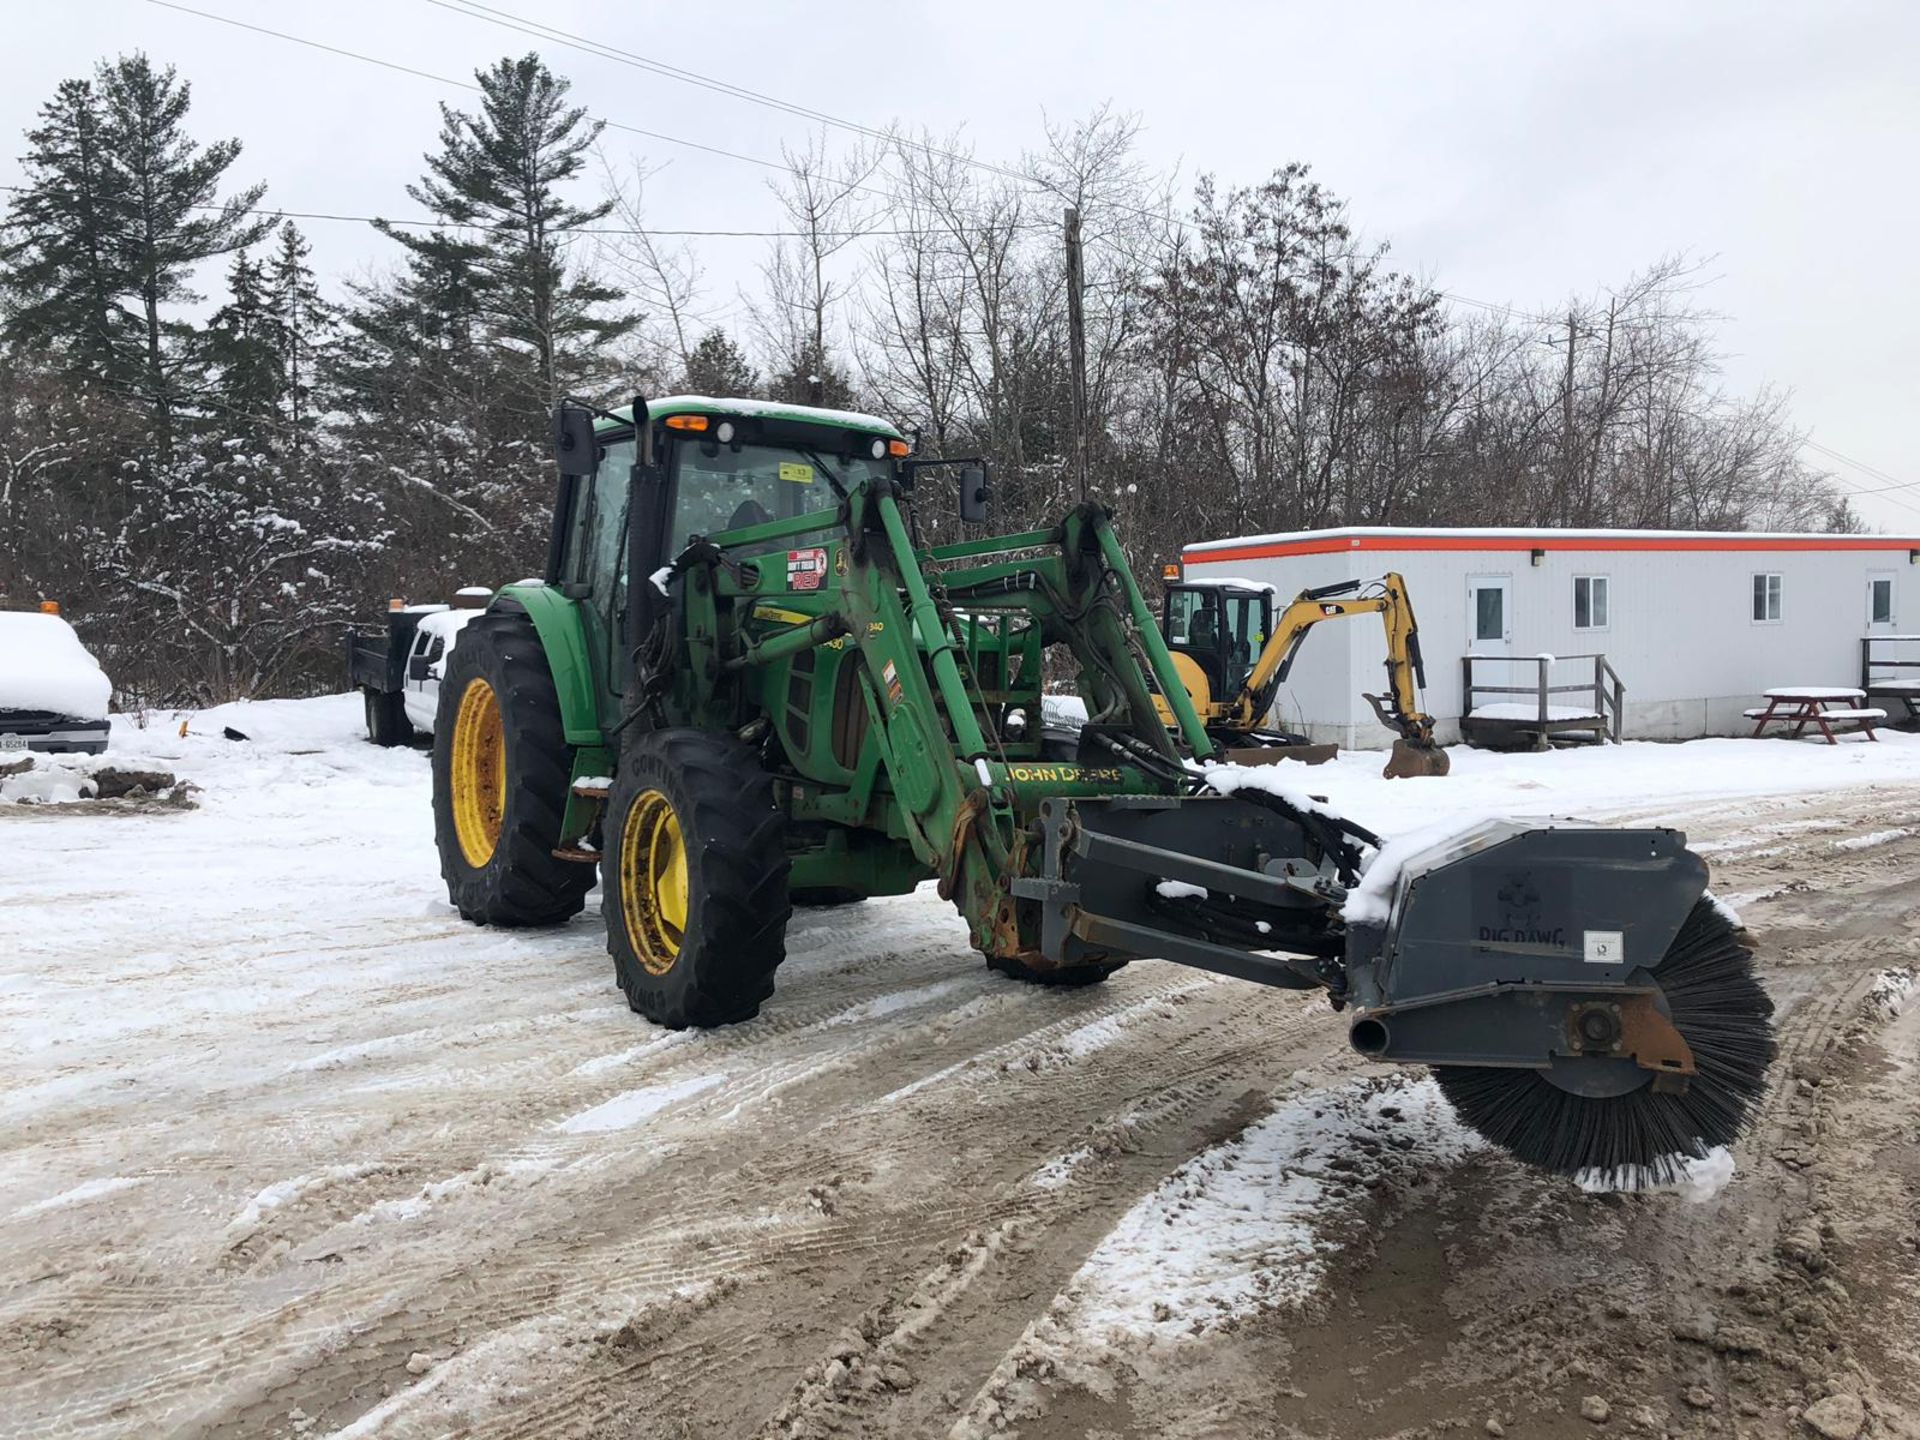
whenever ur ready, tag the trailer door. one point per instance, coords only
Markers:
(1489, 614)
(1880, 610)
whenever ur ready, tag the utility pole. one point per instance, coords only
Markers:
(1566, 417)
(1077, 344)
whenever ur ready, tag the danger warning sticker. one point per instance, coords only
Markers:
(892, 677)
(806, 569)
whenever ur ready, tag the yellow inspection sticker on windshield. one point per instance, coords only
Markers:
(801, 474)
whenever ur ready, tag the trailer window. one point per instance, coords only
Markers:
(1590, 602)
(1767, 594)
(1880, 600)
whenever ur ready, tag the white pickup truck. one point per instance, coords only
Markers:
(53, 693)
(398, 669)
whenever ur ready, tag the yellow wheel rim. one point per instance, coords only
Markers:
(479, 773)
(653, 882)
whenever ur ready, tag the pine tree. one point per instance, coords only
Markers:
(121, 207)
(306, 323)
(811, 377)
(719, 367)
(65, 271)
(175, 219)
(500, 172)
(242, 345)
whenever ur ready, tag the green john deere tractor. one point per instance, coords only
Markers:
(744, 684)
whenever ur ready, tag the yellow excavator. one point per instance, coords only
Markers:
(1233, 656)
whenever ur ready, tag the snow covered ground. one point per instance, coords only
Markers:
(287, 1148)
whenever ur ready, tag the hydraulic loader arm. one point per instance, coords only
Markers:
(1399, 708)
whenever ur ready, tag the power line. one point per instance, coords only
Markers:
(776, 165)
(540, 30)
(650, 231)
(457, 84)
(1884, 493)
(1861, 465)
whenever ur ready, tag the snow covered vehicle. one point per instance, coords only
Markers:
(397, 669)
(53, 693)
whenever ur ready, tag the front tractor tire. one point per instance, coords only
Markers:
(694, 879)
(501, 768)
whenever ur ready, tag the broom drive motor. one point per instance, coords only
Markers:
(746, 682)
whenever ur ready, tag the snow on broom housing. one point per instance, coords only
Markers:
(1695, 624)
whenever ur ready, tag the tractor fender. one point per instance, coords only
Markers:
(557, 621)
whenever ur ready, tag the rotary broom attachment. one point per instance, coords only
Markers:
(1643, 1137)
(1583, 1003)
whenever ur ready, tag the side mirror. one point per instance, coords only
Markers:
(974, 492)
(574, 450)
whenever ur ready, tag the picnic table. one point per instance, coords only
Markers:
(1821, 706)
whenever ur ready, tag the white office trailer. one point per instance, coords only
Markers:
(1695, 625)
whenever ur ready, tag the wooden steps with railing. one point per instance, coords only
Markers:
(1890, 670)
(1539, 719)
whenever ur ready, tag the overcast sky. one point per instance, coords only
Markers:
(1514, 153)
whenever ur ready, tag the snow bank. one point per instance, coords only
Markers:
(43, 666)
(47, 784)
(287, 726)
(1240, 1228)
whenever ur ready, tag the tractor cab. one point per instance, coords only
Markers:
(1219, 626)
(633, 496)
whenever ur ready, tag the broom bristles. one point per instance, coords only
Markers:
(1644, 1137)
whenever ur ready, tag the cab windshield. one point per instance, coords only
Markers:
(1222, 629)
(728, 487)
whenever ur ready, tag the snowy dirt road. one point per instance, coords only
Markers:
(288, 1149)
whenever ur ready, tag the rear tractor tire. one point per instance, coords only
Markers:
(501, 767)
(694, 879)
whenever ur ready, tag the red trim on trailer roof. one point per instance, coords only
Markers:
(1345, 544)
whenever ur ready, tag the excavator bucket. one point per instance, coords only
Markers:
(1412, 757)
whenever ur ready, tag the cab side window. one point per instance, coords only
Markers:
(597, 543)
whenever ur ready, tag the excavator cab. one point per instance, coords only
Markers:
(1217, 628)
